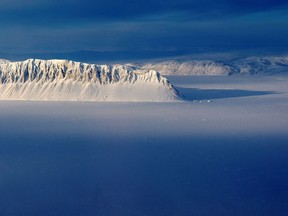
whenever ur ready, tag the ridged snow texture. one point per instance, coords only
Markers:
(35, 79)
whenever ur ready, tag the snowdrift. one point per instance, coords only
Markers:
(64, 80)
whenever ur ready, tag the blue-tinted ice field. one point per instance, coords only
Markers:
(222, 151)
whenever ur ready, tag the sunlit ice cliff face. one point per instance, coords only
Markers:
(64, 80)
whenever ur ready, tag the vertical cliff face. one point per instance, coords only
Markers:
(36, 79)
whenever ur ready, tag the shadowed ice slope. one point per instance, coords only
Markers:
(35, 79)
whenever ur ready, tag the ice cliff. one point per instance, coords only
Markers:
(66, 80)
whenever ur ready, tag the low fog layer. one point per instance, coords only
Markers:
(223, 152)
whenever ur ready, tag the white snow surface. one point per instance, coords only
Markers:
(64, 80)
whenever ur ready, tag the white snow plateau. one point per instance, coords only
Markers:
(64, 80)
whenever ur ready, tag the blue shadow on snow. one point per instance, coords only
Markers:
(210, 94)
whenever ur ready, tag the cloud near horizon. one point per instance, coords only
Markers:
(184, 26)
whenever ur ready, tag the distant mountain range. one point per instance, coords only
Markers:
(248, 65)
(188, 66)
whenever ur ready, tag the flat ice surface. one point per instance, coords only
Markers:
(226, 153)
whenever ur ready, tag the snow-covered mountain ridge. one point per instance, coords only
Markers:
(190, 68)
(4, 61)
(247, 65)
(259, 65)
(36, 79)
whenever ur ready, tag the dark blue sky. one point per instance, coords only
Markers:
(132, 29)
